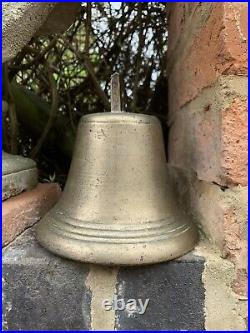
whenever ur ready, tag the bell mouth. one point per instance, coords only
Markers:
(97, 243)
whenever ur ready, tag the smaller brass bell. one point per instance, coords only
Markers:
(117, 207)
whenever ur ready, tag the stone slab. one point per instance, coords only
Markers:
(22, 20)
(18, 174)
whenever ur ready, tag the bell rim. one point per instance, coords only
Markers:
(114, 253)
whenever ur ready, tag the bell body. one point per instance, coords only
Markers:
(118, 207)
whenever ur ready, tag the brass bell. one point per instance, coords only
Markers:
(117, 207)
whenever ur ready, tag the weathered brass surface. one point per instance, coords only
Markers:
(118, 207)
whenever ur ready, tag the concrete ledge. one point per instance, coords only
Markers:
(18, 174)
(18, 182)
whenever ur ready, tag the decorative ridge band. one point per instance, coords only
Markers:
(88, 232)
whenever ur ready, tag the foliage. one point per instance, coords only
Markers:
(72, 71)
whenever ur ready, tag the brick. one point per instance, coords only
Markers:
(207, 72)
(175, 291)
(204, 137)
(184, 20)
(179, 15)
(194, 139)
(218, 48)
(222, 213)
(42, 291)
(240, 284)
(235, 36)
(234, 137)
(25, 209)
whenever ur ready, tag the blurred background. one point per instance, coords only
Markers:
(55, 80)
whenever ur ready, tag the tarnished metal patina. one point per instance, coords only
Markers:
(118, 206)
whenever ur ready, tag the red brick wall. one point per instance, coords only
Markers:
(215, 48)
(207, 78)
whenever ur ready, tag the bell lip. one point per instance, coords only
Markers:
(113, 254)
(119, 117)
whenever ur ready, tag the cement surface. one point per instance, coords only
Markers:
(23, 20)
(20, 21)
(18, 174)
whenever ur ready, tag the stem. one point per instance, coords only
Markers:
(115, 93)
